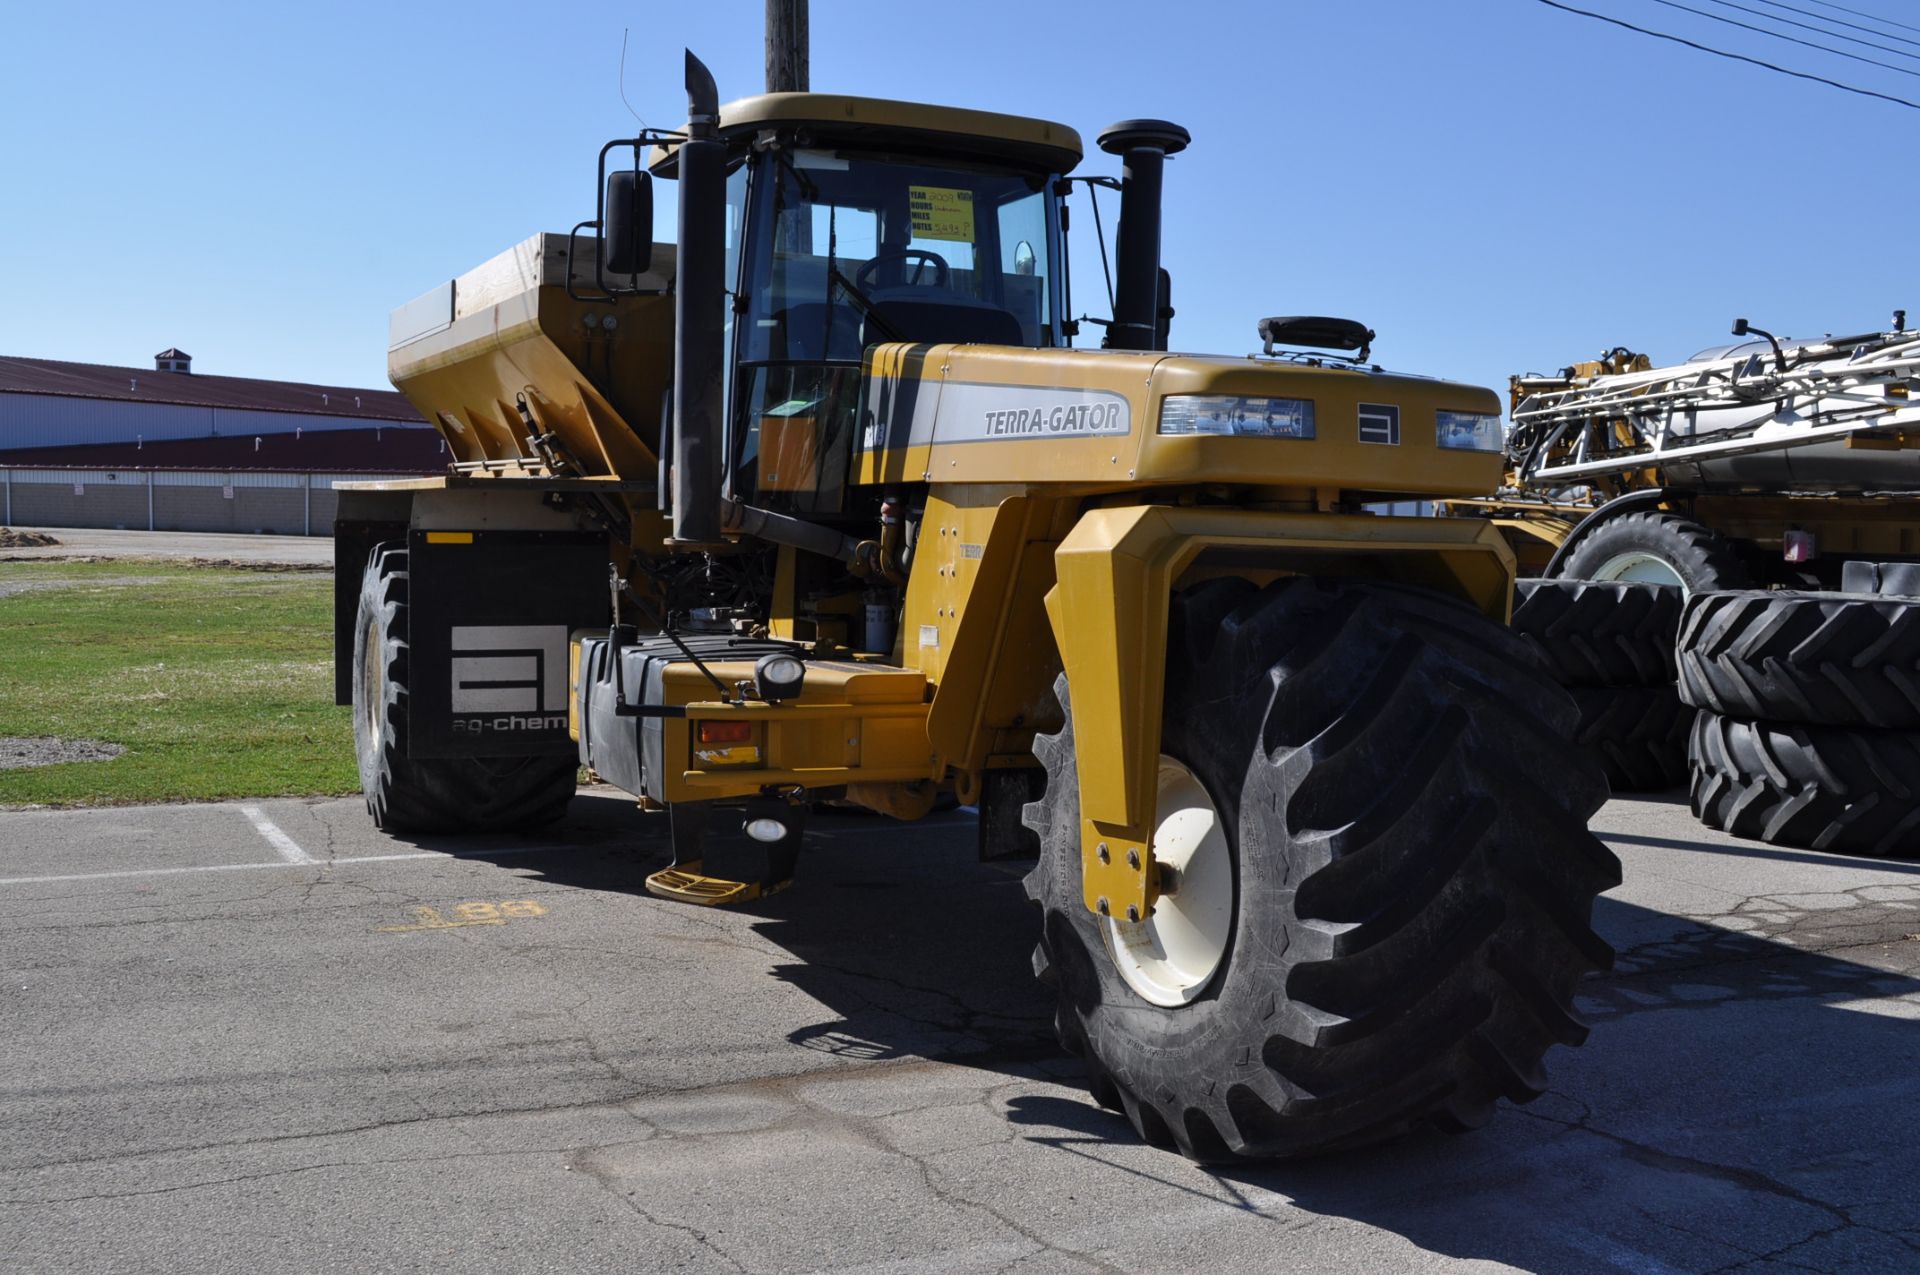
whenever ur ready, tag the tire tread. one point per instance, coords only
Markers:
(1421, 981)
(1817, 787)
(1600, 633)
(1824, 659)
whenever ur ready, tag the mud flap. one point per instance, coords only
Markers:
(489, 618)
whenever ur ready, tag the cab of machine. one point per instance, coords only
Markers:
(853, 222)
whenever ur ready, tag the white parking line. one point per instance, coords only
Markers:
(289, 848)
(253, 867)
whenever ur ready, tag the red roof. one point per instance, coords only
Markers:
(146, 385)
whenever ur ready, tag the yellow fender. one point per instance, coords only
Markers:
(1116, 572)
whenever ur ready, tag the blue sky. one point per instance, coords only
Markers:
(1494, 185)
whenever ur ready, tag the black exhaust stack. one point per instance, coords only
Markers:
(699, 356)
(1143, 146)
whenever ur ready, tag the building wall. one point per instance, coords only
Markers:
(55, 420)
(175, 500)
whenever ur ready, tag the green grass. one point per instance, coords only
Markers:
(219, 683)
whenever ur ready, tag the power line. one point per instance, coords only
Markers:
(1736, 57)
(1885, 22)
(1842, 22)
(1835, 35)
(1790, 39)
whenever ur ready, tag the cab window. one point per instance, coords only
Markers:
(847, 249)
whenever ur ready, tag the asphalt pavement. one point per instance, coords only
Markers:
(261, 1036)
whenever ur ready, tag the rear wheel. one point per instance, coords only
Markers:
(1656, 548)
(1383, 880)
(431, 794)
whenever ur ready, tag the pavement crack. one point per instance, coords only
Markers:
(1780, 1254)
(615, 1103)
(583, 1161)
(947, 1193)
(1651, 1156)
(985, 1026)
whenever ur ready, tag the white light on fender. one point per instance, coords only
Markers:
(1232, 414)
(765, 829)
(1468, 432)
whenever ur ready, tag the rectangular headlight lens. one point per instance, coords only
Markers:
(1230, 414)
(1468, 432)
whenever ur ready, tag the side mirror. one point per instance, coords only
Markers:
(628, 229)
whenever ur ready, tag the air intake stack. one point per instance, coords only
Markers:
(1143, 146)
(699, 316)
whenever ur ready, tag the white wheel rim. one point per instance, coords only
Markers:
(373, 682)
(1639, 567)
(1170, 957)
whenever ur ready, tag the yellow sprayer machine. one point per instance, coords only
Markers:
(1772, 461)
(819, 503)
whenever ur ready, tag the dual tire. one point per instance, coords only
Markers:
(1809, 725)
(1409, 880)
(1799, 712)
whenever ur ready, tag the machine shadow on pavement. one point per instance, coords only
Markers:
(596, 846)
(1735, 1083)
(1751, 1096)
(915, 947)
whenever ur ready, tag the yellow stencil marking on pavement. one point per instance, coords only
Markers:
(465, 914)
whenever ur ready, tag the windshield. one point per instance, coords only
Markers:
(846, 249)
(860, 245)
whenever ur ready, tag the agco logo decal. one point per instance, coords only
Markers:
(509, 677)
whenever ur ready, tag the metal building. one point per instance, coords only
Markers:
(168, 417)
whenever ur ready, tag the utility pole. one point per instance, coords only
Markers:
(786, 46)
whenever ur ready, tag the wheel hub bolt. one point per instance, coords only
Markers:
(1105, 855)
(1106, 909)
(1133, 913)
(1133, 860)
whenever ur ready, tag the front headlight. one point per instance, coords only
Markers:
(1468, 432)
(1230, 414)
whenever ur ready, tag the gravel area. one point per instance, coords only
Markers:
(18, 752)
(11, 539)
(209, 546)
